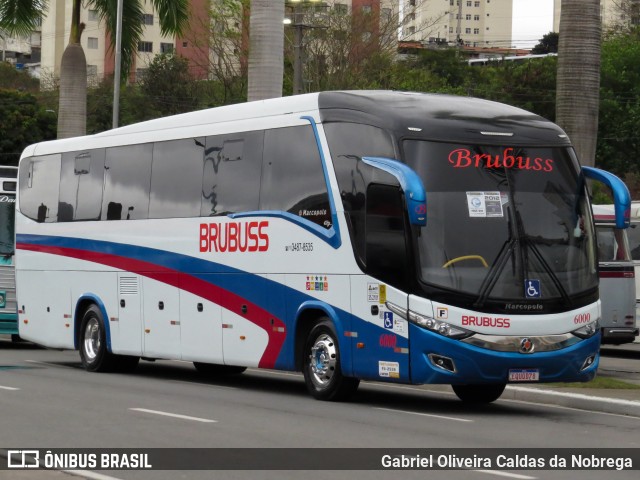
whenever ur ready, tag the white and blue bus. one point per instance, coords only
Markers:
(295, 234)
(8, 310)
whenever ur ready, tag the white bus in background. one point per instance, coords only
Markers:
(295, 234)
(617, 279)
(8, 310)
(633, 233)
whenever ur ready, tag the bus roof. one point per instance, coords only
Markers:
(437, 116)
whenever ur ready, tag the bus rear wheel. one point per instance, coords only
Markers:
(321, 365)
(479, 393)
(93, 343)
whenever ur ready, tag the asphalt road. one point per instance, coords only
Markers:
(48, 401)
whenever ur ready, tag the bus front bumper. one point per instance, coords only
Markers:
(438, 359)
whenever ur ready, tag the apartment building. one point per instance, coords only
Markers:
(96, 42)
(612, 12)
(475, 23)
(20, 50)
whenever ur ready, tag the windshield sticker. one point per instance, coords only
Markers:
(484, 204)
(463, 158)
(532, 288)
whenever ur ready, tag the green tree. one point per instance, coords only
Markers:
(12, 79)
(169, 85)
(547, 44)
(21, 16)
(22, 122)
(619, 139)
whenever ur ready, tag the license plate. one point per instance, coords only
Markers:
(524, 375)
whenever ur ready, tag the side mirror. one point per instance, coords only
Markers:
(621, 195)
(410, 183)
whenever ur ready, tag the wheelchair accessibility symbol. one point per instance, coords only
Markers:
(532, 288)
(388, 320)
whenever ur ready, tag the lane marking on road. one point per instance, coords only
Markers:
(174, 415)
(443, 417)
(563, 407)
(8, 388)
(581, 396)
(89, 474)
(506, 474)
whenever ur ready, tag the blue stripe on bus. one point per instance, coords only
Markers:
(254, 288)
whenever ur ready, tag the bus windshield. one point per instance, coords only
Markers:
(7, 216)
(504, 223)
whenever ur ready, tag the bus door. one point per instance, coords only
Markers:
(381, 349)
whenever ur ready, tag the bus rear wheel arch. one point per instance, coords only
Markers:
(321, 364)
(92, 342)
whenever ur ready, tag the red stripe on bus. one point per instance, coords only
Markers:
(183, 281)
(616, 275)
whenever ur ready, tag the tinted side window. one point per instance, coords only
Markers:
(126, 182)
(39, 186)
(348, 143)
(231, 177)
(176, 177)
(292, 175)
(386, 238)
(81, 182)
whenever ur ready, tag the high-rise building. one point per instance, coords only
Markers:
(96, 41)
(476, 23)
(614, 13)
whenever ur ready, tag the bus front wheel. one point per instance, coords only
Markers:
(478, 393)
(93, 342)
(321, 365)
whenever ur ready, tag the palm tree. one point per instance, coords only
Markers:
(266, 49)
(578, 82)
(21, 16)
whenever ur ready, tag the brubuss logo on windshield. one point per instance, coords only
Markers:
(463, 158)
(234, 237)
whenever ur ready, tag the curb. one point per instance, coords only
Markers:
(580, 401)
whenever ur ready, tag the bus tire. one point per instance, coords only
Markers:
(479, 394)
(93, 343)
(321, 365)
(214, 369)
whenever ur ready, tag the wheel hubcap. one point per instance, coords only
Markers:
(322, 362)
(92, 339)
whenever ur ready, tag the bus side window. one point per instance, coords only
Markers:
(231, 173)
(292, 175)
(39, 187)
(176, 174)
(386, 247)
(81, 183)
(127, 181)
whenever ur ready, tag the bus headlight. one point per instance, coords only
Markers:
(438, 326)
(588, 330)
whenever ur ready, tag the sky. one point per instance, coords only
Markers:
(531, 20)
